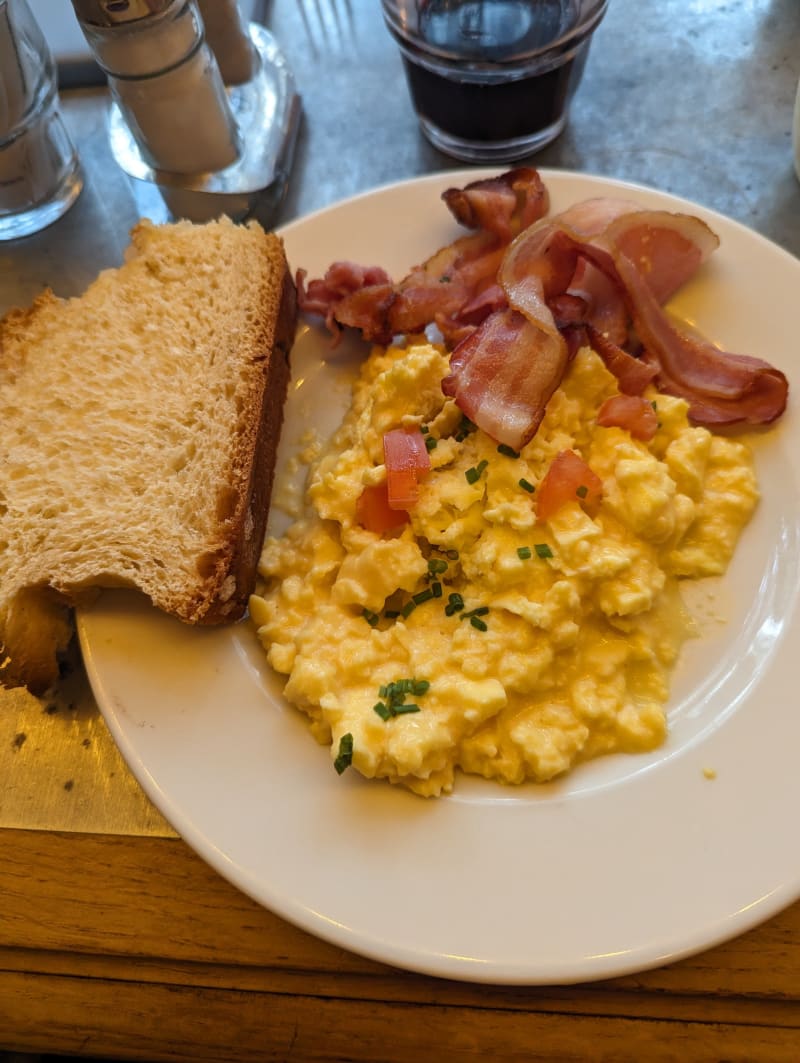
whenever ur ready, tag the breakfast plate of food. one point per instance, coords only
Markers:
(513, 699)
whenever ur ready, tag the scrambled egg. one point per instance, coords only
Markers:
(476, 637)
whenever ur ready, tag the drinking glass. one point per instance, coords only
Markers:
(39, 170)
(492, 80)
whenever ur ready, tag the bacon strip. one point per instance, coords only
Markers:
(721, 388)
(450, 281)
(503, 205)
(349, 294)
(502, 376)
(633, 375)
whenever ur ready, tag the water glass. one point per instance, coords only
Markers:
(492, 80)
(39, 170)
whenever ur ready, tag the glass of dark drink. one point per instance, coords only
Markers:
(492, 80)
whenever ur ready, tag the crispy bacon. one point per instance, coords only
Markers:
(721, 388)
(503, 205)
(349, 294)
(440, 289)
(516, 297)
(450, 282)
(503, 375)
(603, 304)
(633, 375)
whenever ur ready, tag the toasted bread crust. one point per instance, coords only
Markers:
(142, 423)
(257, 457)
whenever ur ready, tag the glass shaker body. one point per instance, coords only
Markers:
(168, 87)
(39, 170)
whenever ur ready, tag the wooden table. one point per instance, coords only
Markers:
(115, 939)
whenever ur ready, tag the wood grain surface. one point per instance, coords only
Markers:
(132, 948)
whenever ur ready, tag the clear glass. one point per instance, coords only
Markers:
(39, 171)
(492, 80)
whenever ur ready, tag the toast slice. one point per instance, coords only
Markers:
(140, 423)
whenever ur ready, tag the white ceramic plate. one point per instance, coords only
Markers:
(628, 863)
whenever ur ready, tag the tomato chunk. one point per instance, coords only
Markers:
(569, 479)
(407, 459)
(632, 412)
(374, 513)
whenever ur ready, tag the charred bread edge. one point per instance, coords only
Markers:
(253, 506)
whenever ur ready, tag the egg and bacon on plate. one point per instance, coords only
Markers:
(487, 574)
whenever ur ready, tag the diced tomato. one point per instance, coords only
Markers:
(569, 479)
(407, 459)
(402, 488)
(374, 513)
(632, 412)
(404, 448)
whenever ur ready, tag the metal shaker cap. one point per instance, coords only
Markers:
(115, 12)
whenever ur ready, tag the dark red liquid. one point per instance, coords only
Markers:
(465, 102)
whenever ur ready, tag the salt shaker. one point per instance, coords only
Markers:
(165, 81)
(40, 174)
(228, 39)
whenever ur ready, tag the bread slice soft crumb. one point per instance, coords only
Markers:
(140, 423)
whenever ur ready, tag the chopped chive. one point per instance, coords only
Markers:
(482, 610)
(391, 614)
(582, 491)
(478, 623)
(436, 589)
(430, 443)
(408, 609)
(444, 279)
(345, 756)
(394, 697)
(509, 452)
(654, 404)
(526, 485)
(370, 617)
(543, 550)
(436, 566)
(523, 552)
(455, 603)
(465, 427)
(474, 474)
(424, 429)
(423, 596)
